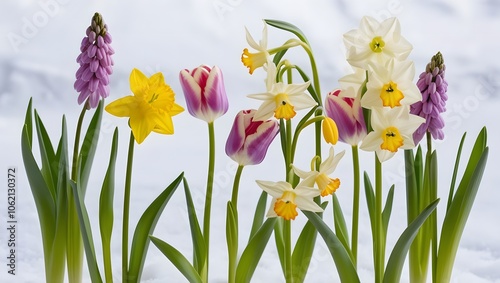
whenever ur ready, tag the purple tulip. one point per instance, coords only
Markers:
(249, 140)
(348, 115)
(92, 78)
(433, 87)
(205, 93)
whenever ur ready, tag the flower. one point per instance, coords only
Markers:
(205, 93)
(330, 131)
(286, 199)
(92, 78)
(433, 87)
(150, 108)
(255, 60)
(376, 42)
(391, 85)
(393, 129)
(249, 140)
(348, 115)
(326, 185)
(281, 99)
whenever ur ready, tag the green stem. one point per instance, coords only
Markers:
(74, 243)
(236, 185)
(288, 157)
(379, 241)
(126, 207)
(432, 186)
(208, 196)
(233, 250)
(287, 238)
(355, 204)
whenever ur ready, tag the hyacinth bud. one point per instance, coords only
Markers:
(249, 140)
(92, 78)
(433, 87)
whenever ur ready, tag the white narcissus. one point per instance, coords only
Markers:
(326, 185)
(281, 99)
(376, 42)
(391, 85)
(258, 59)
(286, 199)
(393, 129)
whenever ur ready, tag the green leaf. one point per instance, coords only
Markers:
(178, 260)
(279, 241)
(345, 267)
(106, 213)
(302, 252)
(253, 251)
(28, 122)
(287, 27)
(47, 156)
(340, 225)
(398, 255)
(455, 172)
(145, 227)
(86, 230)
(386, 214)
(370, 200)
(199, 247)
(260, 212)
(89, 146)
(458, 213)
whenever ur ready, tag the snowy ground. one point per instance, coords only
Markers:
(40, 41)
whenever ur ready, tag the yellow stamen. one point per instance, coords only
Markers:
(390, 94)
(392, 139)
(285, 206)
(284, 109)
(253, 60)
(327, 185)
(377, 44)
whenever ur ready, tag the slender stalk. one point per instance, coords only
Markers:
(432, 196)
(379, 241)
(355, 204)
(236, 185)
(126, 208)
(74, 243)
(208, 196)
(287, 237)
(233, 250)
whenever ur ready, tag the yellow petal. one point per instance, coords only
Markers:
(330, 131)
(285, 209)
(392, 139)
(122, 107)
(142, 123)
(390, 94)
(164, 125)
(138, 83)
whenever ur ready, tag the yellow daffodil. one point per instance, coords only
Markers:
(393, 129)
(376, 42)
(325, 184)
(258, 59)
(150, 108)
(286, 199)
(391, 85)
(281, 99)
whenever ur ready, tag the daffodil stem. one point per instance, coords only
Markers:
(379, 232)
(288, 153)
(126, 207)
(74, 240)
(236, 185)
(287, 237)
(355, 204)
(208, 196)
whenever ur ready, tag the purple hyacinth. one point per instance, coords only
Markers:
(433, 87)
(92, 78)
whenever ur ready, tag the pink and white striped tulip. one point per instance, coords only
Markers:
(249, 140)
(205, 93)
(348, 115)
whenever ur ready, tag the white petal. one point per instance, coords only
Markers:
(275, 189)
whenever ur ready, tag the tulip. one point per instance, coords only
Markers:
(249, 140)
(205, 93)
(348, 115)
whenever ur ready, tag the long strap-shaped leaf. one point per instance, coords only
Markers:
(345, 267)
(396, 260)
(145, 227)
